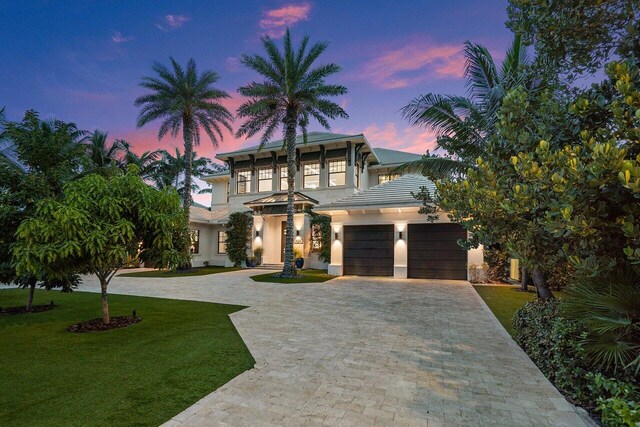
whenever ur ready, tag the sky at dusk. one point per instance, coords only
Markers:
(82, 61)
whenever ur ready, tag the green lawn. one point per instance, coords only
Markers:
(201, 271)
(140, 375)
(504, 301)
(304, 276)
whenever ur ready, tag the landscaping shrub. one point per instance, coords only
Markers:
(622, 407)
(497, 264)
(553, 343)
(238, 236)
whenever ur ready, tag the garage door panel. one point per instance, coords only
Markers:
(433, 251)
(368, 250)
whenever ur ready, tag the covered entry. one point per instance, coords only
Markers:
(368, 250)
(433, 252)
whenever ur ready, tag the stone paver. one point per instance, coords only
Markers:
(365, 351)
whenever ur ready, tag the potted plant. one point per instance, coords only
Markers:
(297, 255)
(251, 262)
(257, 253)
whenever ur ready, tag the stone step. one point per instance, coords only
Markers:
(269, 267)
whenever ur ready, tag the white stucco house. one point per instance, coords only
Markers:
(376, 227)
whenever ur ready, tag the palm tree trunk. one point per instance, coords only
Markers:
(188, 149)
(524, 279)
(542, 287)
(32, 289)
(289, 268)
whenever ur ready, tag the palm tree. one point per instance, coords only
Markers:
(103, 156)
(188, 101)
(169, 170)
(147, 162)
(291, 94)
(463, 124)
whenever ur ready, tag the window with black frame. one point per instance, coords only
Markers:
(222, 242)
(337, 172)
(311, 175)
(265, 179)
(243, 182)
(195, 241)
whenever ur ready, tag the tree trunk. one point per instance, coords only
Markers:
(524, 279)
(289, 268)
(105, 304)
(542, 287)
(32, 290)
(188, 149)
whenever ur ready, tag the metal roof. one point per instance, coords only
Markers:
(281, 199)
(198, 214)
(388, 157)
(313, 138)
(395, 193)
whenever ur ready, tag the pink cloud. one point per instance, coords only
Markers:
(411, 139)
(233, 64)
(172, 22)
(117, 37)
(91, 97)
(413, 63)
(274, 22)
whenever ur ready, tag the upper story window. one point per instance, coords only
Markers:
(283, 178)
(337, 172)
(265, 179)
(243, 182)
(382, 178)
(311, 175)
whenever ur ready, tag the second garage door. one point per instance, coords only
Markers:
(368, 250)
(434, 253)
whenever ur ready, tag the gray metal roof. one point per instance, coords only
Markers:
(203, 215)
(313, 138)
(396, 193)
(394, 157)
(281, 198)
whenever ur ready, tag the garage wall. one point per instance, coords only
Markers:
(385, 216)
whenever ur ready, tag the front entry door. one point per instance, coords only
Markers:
(283, 238)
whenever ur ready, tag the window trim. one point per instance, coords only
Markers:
(248, 181)
(222, 242)
(194, 249)
(304, 175)
(329, 173)
(270, 179)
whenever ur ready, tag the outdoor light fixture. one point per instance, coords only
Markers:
(335, 236)
(400, 235)
(298, 238)
(257, 233)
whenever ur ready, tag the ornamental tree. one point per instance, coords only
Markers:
(98, 226)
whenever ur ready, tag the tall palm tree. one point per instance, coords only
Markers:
(464, 123)
(188, 101)
(291, 94)
(104, 156)
(147, 162)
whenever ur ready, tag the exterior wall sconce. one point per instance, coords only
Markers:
(298, 239)
(257, 233)
(400, 235)
(335, 236)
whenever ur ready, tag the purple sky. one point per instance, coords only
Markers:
(81, 61)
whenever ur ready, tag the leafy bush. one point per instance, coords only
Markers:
(321, 236)
(553, 343)
(238, 236)
(257, 253)
(610, 310)
(622, 407)
(497, 264)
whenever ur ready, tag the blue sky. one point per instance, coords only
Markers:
(81, 61)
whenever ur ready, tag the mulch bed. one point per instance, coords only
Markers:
(96, 325)
(11, 311)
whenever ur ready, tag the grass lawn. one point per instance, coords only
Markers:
(200, 271)
(305, 276)
(505, 300)
(140, 375)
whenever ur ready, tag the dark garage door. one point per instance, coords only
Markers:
(434, 253)
(368, 250)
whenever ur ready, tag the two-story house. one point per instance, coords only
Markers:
(376, 227)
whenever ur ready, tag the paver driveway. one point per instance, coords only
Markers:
(356, 351)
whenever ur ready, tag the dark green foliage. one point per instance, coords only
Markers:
(238, 236)
(498, 263)
(621, 407)
(141, 375)
(576, 36)
(321, 236)
(169, 171)
(554, 344)
(610, 309)
(304, 276)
